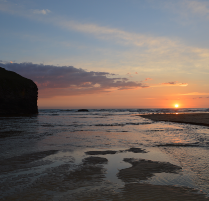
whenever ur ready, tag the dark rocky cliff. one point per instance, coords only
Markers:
(18, 95)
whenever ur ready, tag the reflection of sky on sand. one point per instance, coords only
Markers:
(115, 163)
(72, 135)
(109, 133)
(146, 135)
(194, 161)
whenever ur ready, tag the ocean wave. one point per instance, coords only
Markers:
(196, 144)
(108, 112)
(123, 124)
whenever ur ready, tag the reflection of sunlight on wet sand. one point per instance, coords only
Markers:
(122, 132)
(194, 162)
(176, 108)
(178, 140)
(72, 137)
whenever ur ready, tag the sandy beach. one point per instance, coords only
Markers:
(103, 155)
(190, 118)
(67, 183)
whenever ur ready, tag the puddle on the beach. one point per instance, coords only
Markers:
(115, 161)
(50, 175)
(73, 140)
(172, 179)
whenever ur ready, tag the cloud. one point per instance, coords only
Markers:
(43, 12)
(154, 53)
(101, 32)
(195, 94)
(197, 6)
(175, 84)
(68, 80)
(200, 98)
(148, 79)
(118, 35)
(187, 8)
(170, 84)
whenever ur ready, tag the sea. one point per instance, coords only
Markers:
(32, 146)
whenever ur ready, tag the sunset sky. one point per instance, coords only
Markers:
(109, 54)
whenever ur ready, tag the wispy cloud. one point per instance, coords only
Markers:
(17, 9)
(195, 94)
(174, 84)
(200, 98)
(198, 7)
(68, 80)
(102, 32)
(170, 84)
(148, 79)
(119, 36)
(43, 12)
(188, 9)
(154, 53)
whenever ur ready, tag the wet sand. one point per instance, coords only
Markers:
(190, 118)
(24, 161)
(86, 181)
(132, 149)
(120, 157)
(143, 169)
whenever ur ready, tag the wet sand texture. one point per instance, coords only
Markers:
(86, 182)
(133, 149)
(61, 179)
(4, 134)
(20, 162)
(136, 150)
(139, 192)
(100, 152)
(196, 119)
(95, 160)
(143, 169)
(179, 145)
(148, 192)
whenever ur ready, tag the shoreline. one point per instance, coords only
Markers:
(102, 157)
(201, 119)
(87, 179)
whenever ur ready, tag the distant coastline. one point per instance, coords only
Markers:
(189, 118)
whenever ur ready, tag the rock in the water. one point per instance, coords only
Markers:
(82, 110)
(18, 95)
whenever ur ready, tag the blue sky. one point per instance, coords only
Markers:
(164, 40)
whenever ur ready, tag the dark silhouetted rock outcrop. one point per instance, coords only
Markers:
(82, 110)
(18, 95)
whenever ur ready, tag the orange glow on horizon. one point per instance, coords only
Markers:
(118, 99)
(176, 105)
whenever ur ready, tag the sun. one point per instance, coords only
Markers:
(176, 105)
